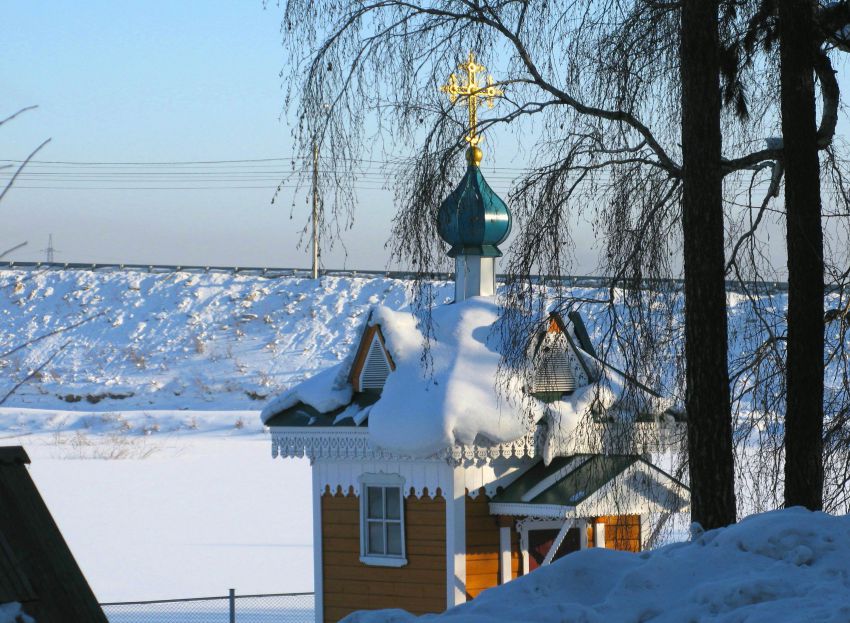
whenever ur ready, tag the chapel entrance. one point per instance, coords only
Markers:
(541, 541)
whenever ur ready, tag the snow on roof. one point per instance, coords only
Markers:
(783, 566)
(424, 409)
(452, 399)
(324, 391)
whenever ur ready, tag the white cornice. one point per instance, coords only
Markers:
(315, 442)
(353, 443)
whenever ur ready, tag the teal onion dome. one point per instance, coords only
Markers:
(473, 219)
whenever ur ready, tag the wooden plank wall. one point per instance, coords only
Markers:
(349, 585)
(621, 532)
(482, 547)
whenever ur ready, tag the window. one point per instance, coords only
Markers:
(382, 521)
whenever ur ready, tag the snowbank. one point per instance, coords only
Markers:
(452, 400)
(138, 340)
(788, 565)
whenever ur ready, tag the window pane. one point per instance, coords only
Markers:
(376, 537)
(394, 539)
(376, 502)
(393, 503)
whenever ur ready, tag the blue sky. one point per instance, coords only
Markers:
(155, 81)
(171, 81)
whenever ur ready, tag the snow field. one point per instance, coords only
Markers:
(181, 514)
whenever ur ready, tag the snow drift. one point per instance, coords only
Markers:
(782, 566)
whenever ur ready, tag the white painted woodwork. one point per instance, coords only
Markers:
(376, 368)
(556, 544)
(318, 585)
(455, 539)
(505, 574)
(599, 535)
(474, 276)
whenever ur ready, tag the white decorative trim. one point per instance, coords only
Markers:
(318, 571)
(615, 438)
(314, 442)
(423, 477)
(528, 446)
(383, 561)
(518, 509)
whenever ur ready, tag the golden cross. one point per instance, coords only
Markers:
(472, 91)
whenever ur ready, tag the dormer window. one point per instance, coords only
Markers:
(554, 376)
(376, 367)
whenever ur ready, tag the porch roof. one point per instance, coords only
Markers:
(568, 482)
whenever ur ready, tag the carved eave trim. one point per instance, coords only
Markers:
(535, 511)
(353, 443)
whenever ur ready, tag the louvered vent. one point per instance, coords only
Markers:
(554, 374)
(376, 368)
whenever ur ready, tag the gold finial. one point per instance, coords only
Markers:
(472, 91)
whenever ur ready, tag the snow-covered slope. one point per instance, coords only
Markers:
(106, 341)
(783, 566)
(174, 340)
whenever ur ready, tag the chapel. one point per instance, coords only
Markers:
(430, 484)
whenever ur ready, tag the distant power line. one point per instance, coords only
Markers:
(238, 174)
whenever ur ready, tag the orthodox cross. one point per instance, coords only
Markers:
(473, 92)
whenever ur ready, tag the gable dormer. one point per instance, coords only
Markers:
(554, 373)
(558, 369)
(372, 363)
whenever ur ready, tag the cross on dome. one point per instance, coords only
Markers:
(474, 93)
(473, 219)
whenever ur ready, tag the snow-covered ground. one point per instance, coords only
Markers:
(174, 513)
(137, 396)
(131, 340)
(143, 426)
(780, 567)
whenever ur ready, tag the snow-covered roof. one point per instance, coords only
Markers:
(447, 397)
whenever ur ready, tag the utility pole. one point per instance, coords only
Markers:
(50, 252)
(315, 210)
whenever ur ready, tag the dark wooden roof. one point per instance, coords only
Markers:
(36, 567)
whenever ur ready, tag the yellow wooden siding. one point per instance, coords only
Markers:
(482, 547)
(349, 585)
(622, 532)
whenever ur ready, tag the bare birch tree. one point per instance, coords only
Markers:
(592, 94)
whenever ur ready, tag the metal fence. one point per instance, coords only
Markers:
(231, 608)
(579, 281)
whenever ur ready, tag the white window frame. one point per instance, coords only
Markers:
(383, 481)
